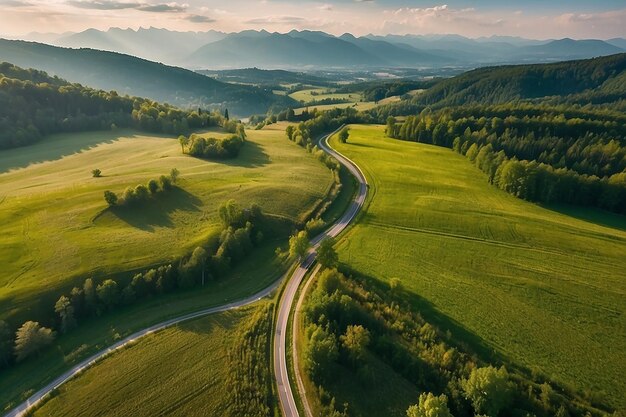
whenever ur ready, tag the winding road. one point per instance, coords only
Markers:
(280, 364)
(285, 393)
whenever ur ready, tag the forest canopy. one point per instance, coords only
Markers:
(34, 104)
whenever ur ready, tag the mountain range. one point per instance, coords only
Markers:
(314, 49)
(139, 77)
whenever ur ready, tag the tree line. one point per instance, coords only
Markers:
(142, 193)
(348, 322)
(33, 105)
(240, 234)
(250, 379)
(538, 153)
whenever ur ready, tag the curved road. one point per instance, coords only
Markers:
(285, 394)
(92, 360)
(286, 400)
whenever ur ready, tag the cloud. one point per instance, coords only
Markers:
(15, 3)
(122, 5)
(196, 18)
(163, 8)
(326, 7)
(276, 19)
(103, 4)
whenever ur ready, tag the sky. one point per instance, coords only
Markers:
(536, 19)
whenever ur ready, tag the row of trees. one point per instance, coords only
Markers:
(142, 193)
(250, 379)
(33, 105)
(536, 152)
(347, 323)
(208, 262)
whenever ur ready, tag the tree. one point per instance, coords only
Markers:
(30, 338)
(89, 295)
(110, 197)
(326, 254)
(344, 134)
(108, 293)
(488, 389)
(355, 341)
(5, 343)
(430, 406)
(184, 141)
(226, 116)
(174, 174)
(230, 213)
(65, 310)
(390, 130)
(299, 244)
(320, 353)
(96, 173)
(290, 129)
(165, 183)
(153, 186)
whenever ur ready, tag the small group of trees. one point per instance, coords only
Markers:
(142, 193)
(213, 148)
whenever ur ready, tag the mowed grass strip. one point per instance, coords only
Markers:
(541, 289)
(56, 231)
(179, 371)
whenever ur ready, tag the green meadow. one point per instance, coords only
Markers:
(540, 289)
(323, 93)
(57, 229)
(178, 371)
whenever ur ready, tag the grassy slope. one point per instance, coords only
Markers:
(534, 286)
(55, 232)
(256, 272)
(322, 93)
(179, 371)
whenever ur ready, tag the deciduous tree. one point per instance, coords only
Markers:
(30, 338)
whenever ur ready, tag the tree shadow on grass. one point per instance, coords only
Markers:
(462, 337)
(591, 215)
(56, 147)
(156, 212)
(251, 155)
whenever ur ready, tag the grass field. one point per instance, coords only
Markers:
(532, 286)
(256, 272)
(323, 93)
(359, 105)
(179, 371)
(56, 231)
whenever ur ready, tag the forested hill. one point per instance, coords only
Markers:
(138, 77)
(571, 80)
(33, 104)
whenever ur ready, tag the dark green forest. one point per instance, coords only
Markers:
(33, 105)
(597, 81)
(550, 133)
(538, 153)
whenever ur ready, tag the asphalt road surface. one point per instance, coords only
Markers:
(285, 394)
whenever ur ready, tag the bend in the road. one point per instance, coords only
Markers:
(285, 393)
